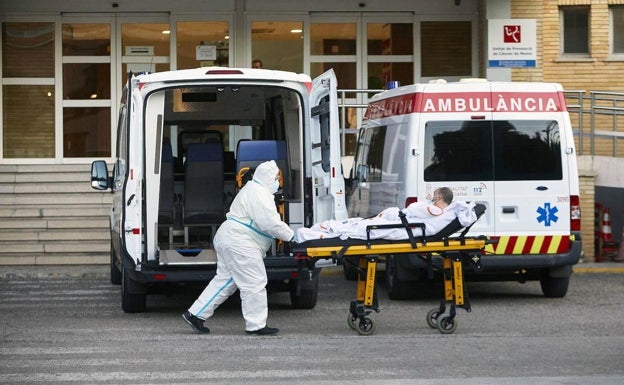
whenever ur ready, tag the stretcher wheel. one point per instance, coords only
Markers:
(446, 324)
(432, 318)
(351, 319)
(366, 326)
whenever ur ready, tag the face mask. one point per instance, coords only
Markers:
(275, 187)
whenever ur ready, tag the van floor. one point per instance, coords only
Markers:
(187, 257)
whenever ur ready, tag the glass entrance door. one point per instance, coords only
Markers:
(144, 46)
(366, 52)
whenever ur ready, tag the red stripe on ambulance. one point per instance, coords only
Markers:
(466, 102)
(551, 244)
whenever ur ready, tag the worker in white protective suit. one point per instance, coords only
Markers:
(241, 242)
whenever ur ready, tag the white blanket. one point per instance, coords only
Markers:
(434, 219)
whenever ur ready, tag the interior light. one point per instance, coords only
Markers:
(93, 96)
(49, 93)
(296, 30)
(227, 37)
(166, 32)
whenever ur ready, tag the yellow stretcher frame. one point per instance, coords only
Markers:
(452, 250)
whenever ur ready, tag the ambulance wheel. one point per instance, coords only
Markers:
(446, 325)
(432, 318)
(308, 293)
(351, 320)
(133, 296)
(366, 326)
(554, 287)
(115, 273)
(397, 288)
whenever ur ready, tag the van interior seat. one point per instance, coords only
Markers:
(204, 204)
(250, 153)
(189, 136)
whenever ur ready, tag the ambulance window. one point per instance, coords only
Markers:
(375, 139)
(527, 150)
(458, 151)
(394, 153)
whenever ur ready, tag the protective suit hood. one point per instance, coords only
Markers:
(265, 174)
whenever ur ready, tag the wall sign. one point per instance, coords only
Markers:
(512, 43)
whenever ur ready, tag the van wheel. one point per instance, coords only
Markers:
(554, 287)
(115, 273)
(350, 271)
(307, 296)
(397, 288)
(133, 296)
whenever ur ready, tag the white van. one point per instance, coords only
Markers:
(506, 145)
(182, 138)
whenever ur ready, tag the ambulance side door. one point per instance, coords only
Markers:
(327, 181)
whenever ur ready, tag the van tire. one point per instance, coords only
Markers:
(308, 295)
(554, 287)
(397, 288)
(133, 296)
(115, 273)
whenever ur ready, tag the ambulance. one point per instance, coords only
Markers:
(506, 145)
(186, 141)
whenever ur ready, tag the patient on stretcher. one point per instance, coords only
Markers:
(435, 215)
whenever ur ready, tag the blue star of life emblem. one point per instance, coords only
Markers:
(547, 214)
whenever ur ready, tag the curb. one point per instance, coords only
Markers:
(608, 270)
(54, 272)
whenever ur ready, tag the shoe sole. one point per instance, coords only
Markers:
(255, 333)
(193, 325)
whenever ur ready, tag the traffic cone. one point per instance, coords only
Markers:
(608, 249)
(606, 226)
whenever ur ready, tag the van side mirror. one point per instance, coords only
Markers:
(99, 175)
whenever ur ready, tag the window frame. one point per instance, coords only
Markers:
(562, 31)
(612, 31)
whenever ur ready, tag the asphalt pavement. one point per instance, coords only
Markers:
(98, 271)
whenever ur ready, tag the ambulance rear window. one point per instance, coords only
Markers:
(492, 150)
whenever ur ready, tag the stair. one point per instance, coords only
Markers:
(49, 215)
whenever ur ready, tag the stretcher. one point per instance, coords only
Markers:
(455, 251)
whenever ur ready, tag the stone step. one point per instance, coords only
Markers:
(53, 211)
(52, 188)
(81, 258)
(17, 235)
(38, 177)
(76, 198)
(55, 223)
(49, 214)
(44, 168)
(56, 247)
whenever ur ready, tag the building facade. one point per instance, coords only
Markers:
(64, 65)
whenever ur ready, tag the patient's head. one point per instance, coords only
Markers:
(442, 197)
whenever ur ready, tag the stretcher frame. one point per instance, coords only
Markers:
(454, 251)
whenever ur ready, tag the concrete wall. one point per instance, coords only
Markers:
(606, 174)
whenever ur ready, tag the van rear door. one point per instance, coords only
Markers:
(531, 180)
(154, 121)
(327, 181)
